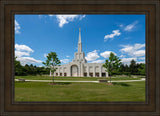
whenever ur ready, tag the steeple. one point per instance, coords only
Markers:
(79, 35)
(79, 56)
(79, 42)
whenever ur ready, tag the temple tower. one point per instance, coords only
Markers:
(79, 56)
(79, 42)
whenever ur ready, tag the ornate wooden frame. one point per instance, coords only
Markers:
(151, 8)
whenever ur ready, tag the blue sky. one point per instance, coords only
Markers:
(37, 35)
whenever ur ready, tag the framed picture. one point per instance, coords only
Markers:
(84, 36)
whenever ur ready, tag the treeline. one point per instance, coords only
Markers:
(29, 69)
(132, 69)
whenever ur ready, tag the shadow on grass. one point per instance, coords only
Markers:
(121, 84)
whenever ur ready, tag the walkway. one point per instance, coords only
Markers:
(80, 81)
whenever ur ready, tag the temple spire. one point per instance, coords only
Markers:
(79, 35)
(79, 42)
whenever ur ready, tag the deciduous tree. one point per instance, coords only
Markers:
(112, 64)
(51, 62)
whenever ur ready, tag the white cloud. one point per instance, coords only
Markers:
(81, 17)
(139, 46)
(141, 58)
(106, 54)
(139, 53)
(64, 61)
(23, 48)
(26, 60)
(98, 61)
(51, 15)
(21, 51)
(17, 27)
(67, 56)
(133, 50)
(112, 35)
(91, 56)
(122, 56)
(141, 62)
(127, 60)
(131, 26)
(64, 19)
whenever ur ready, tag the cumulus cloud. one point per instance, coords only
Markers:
(127, 60)
(21, 51)
(64, 61)
(122, 56)
(64, 19)
(106, 54)
(112, 35)
(133, 50)
(139, 53)
(17, 27)
(23, 48)
(81, 17)
(91, 56)
(141, 58)
(67, 56)
(26, 60)
(98, 61)
(141, 62)
(51, 15)
(131, 26)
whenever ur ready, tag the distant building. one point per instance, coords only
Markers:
(79, 66)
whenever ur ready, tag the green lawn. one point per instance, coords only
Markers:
(43, 91)
(76, 78)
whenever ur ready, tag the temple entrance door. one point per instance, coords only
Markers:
(74, 71)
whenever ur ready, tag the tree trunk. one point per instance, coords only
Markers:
(110, 79)
(53, 78)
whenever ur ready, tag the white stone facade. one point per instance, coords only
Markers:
(79, 66)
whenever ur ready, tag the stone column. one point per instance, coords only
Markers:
(93, 71)
(69, 71)
(87, 71)
(79, 70)
(106, 74)
(100, 71)
(62, 71)
(58, 71)
(82, 70)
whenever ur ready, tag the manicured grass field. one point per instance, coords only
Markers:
(43, 91)
(77, 78)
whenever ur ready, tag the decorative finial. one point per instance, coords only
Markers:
(79, 29)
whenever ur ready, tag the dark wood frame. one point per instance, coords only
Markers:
(148, 7)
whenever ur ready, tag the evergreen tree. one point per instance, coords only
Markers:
(133, 67)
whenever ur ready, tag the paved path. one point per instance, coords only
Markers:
(79, 81)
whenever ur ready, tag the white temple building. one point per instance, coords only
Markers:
(79, 66)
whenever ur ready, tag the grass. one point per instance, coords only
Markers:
(67, 91)
(76, 78)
